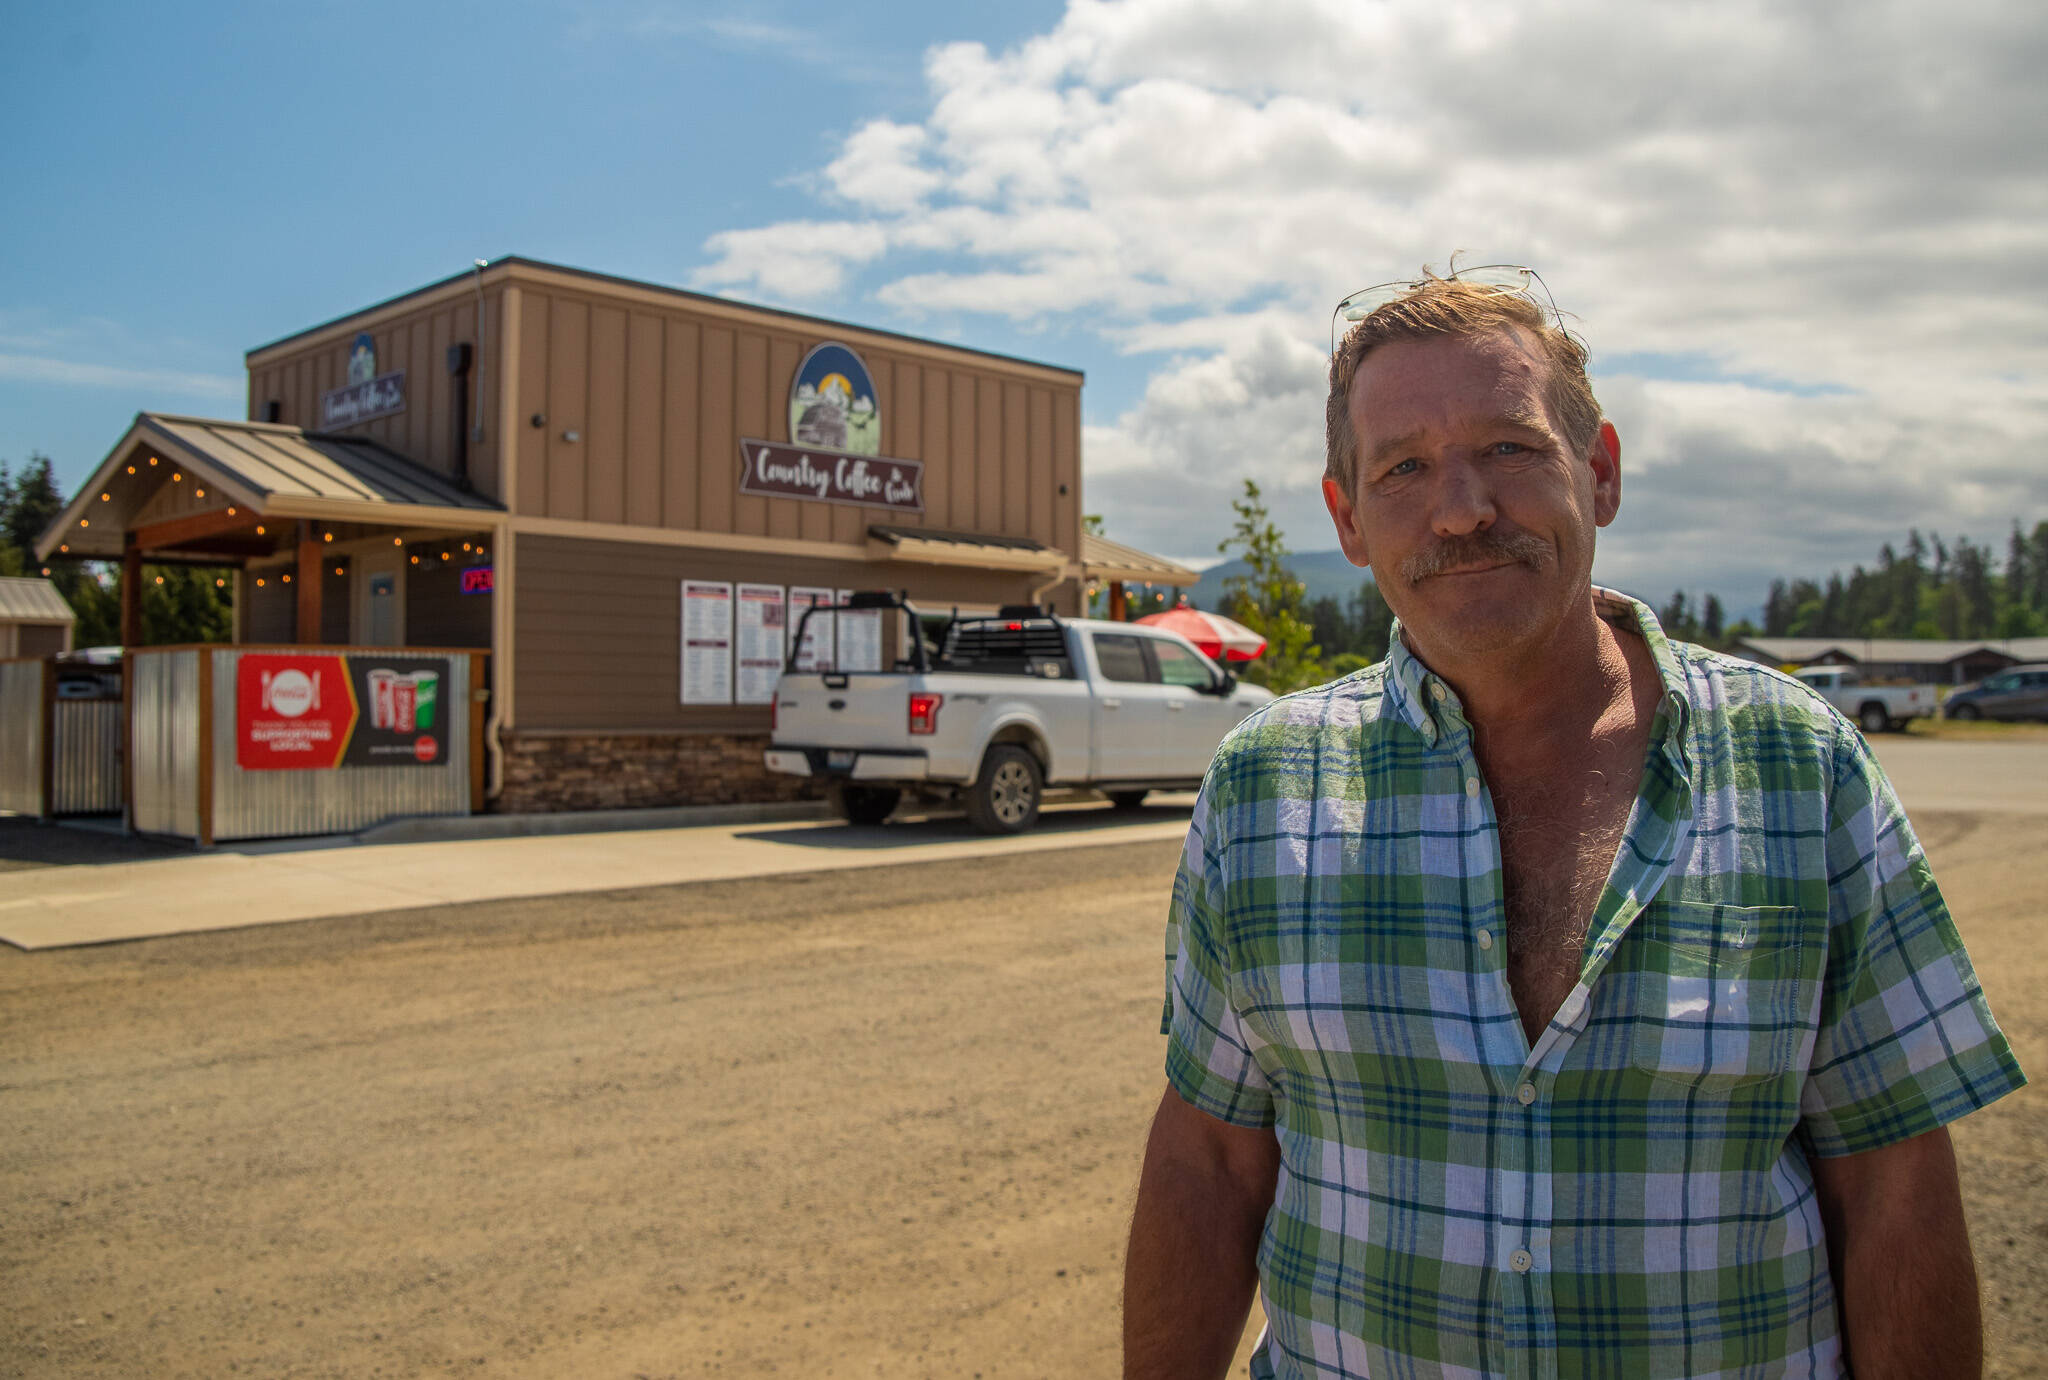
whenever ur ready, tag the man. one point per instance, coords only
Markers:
(1549, 999)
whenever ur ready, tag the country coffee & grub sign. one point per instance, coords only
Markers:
(835, 427)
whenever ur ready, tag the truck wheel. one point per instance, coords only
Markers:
(1127, 800)
(864, 804)
(1873, 718)
(1004, 797)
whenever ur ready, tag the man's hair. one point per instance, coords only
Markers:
(1450, 307)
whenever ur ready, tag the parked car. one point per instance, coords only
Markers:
(1875, 708)
(995, 710)
(2017, 692)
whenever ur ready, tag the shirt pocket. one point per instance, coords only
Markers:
(1718, 994)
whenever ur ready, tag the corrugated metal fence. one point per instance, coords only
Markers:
(85, 778)
(187, 782)
(21, 736)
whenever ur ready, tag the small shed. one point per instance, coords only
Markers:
(34, 619)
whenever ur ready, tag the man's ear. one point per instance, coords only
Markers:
(1346, 518)
(1606, 463)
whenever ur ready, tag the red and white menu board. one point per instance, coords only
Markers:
(762, 641)
(707, 642)
(819, 650)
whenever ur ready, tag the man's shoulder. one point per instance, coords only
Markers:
(1347, 704)
(1716, 682)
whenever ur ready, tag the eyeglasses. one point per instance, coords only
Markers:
(1505, 279)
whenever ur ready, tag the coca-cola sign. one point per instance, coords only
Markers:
(774, 470)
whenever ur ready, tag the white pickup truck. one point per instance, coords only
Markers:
(990, 712)
(1875, 708)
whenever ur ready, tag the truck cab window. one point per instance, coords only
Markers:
(1179, 666)
(1120, 657)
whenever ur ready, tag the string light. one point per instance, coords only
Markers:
(338, 570)
(465, 546)
(444, 555)
(231, 510)
(259, 582)
(329, 536)
(85, 522)
(105, 497)
(259, 529)
(177, 478)
(219, 584)
(199, 493)
(415, 560)
(159, 579)
(131, 469)
(398, 541)
(287, 579)
(152, 460)
(65, 547)
(46, 570)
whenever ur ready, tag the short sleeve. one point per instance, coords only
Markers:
(1906, 1041)
(1209, 1058)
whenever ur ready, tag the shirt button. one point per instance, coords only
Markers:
(1486, 939)
(1521, 1260)
(1526, 1094)
(1429, 733)
(1436, 689)
(1472, 787)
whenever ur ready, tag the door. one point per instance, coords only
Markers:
(377, 593)
(1195, 721)
(1129, 712)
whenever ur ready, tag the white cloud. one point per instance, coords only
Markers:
(1853, 205)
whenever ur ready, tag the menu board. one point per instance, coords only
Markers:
(707, 642)
(762, 640)
(819, 650)
(860, 637)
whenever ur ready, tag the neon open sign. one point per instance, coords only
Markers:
(477, 580)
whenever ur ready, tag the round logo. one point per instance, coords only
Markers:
(291, 693)
(832, 403)
(424, 748)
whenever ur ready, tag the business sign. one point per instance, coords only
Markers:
(835, 442)
(298, 712)
(369, 394)
(773, 470)
(832, 402)
(477, 579)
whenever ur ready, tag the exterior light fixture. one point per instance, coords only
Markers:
(328, 536)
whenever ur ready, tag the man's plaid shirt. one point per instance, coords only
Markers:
(1770, 975)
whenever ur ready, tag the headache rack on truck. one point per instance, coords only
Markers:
(1017, 640)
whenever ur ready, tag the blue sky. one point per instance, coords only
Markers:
(1810, 258)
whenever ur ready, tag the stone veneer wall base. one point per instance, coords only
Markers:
(618, 771)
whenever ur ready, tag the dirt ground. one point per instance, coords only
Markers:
(873, 1123)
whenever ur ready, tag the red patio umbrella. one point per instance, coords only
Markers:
(1217, 637)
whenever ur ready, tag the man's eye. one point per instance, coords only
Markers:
(1402, 467)
(1508, 448)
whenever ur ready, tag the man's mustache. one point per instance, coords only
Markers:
(1481, 548)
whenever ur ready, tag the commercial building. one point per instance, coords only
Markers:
(624, 493)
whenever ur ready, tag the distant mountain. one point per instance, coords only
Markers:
(1324, 572)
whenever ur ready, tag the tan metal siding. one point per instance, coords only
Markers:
(678, 461)
(536, 326)
(643, 499)
(568, 405)
(416, 341)
(604, 478)
(598, 625)
(716, 483)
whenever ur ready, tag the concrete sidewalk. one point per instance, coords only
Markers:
(54, 907)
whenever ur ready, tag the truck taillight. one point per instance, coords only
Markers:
(924, 713)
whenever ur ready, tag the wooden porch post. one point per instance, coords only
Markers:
(1116, 601)
(131, 595)
(307, 576)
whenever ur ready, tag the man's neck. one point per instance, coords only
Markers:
(1557, 695)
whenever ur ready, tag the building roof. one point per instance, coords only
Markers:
(1801, 651)
(931, 546)
(516, 265)
(278, 471)
(1103, 559)
(32, 600)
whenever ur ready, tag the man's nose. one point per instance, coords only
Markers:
(1464, 499)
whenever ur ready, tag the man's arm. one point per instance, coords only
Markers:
(1191, 1271)
(1900, 1252)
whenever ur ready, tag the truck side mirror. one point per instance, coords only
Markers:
(1227, 684)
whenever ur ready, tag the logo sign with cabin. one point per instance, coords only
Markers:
(369, 394)
(834, 451)
(309, 713)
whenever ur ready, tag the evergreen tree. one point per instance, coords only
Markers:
(1268, 600)
(1710, 621)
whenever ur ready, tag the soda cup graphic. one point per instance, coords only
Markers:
(404, 703)
(383, 705)
(426, 690)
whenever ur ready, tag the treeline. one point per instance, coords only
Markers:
(180, 603)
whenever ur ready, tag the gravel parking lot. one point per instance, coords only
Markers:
(883, 1122)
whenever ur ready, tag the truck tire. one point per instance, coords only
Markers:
(864, 804)
(1873, 717)
(1005, 794)
(1127, 800)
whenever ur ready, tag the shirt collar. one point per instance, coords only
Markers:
(1407, 679)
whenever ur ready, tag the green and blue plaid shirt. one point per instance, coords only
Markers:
(1769, 976)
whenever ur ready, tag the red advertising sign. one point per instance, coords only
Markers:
(292, 711)
(304, 712)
